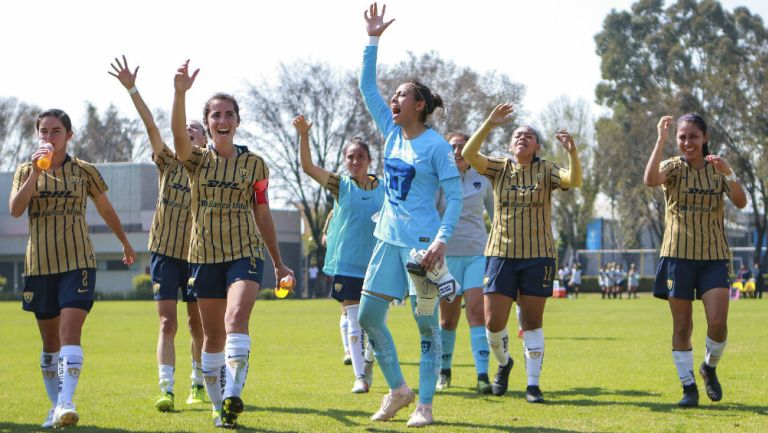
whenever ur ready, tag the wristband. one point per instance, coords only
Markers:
(133, 90)
(373, 41)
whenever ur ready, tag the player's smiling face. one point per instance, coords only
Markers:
(405, 108)
(457, 143)
(222, 121)
(690, 140)
(51, 130)
(357, 160)
(524, 144)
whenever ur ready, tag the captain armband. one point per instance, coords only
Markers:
(260, 191)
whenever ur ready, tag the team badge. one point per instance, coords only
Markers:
(243, 174)
(28, 296)
(155, 288)
(253, 262)
(49, 375)
(75, 180)
(485, 281)
(425, 346)
(337, 287)
(534, 355)
(354, 339)
(210, 380)
(477, 185)
(670, 284)
(73, 372)
(191, 282)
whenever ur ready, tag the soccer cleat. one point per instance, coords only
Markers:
(690, 396)
(347, 358)
(483, 384)
(391, 403)
(368, 372)
(444, 381)
(231, 407)
(48, 423)
(501, 380)
(216, 415)
(533, 394)
(164, 402)
(420, 417)
(65, 415)
(361, 385)
(196, 394)
(711, 384)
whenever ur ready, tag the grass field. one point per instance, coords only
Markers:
(608, 368)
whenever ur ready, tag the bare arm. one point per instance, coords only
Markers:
(128, 80)
(305, 153)
(570, 178)
(19, 201)
(181, 83)
(107, 212)
(736, 191)
(263, 218)
(499, 116)
(653, 176)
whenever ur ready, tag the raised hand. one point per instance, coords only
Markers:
(665, 124)
(720, 164)
(301, 125)
(183, 81)
(375, 24)
(501, 114)
(123, 73)
(566, 140)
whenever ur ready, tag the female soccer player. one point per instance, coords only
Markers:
(357, 197)
(60, 265)
(695, 257)
(169, 244)
(465, 259)
(521, 251)
(417, 161)
(633, 280)
(229, 202)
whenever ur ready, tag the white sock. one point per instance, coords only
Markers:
(355, 339)
(72, 364)
(499, 344)
(684, 364)
(343, 326)
(49, 365)
(165, 373)
(237, 348)
(215, 376)
(714, 351)
(197, 373)
(533, 348)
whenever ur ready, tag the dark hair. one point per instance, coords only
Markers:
(357, 141)
(697, 120)
(207, 108)
(452, 134)
(59, 114)
(432, 100)
(534, 131)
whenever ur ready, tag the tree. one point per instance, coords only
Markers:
(691, 56)
(17, 132)
(107, 138)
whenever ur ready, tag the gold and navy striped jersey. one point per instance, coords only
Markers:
(172, 224)
(58, 232)
(693, 224)
(334, 180)
(223, 226)
(522, 222)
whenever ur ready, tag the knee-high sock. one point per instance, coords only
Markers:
(72, 363)
(448, 342)
(533, 348)
(714, 351)
(479, 344)
(237, 348)
(499, 344)
(215, 376)
(684, 364)
(431, 353)
(355, 339)
(165, 376)
(49, 365)
(372, 314)
(343, 328)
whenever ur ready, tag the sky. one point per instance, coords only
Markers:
(57, 53)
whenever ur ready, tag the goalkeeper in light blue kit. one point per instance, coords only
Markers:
(417, 161)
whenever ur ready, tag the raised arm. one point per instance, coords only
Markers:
(735, 190)
(377, 107)
(107, 212)
(181, 83)
(570, 178)
(653, 176)
(305, 154)
(128, 79)
(24, 184)
(500, 115)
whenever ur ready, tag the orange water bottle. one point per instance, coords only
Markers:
(285, 286)
(44, 162)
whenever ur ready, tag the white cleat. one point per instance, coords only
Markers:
(65, 415)
(391, 403)
(420, 417)
(360, 386)
(48, 423)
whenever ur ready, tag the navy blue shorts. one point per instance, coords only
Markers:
(530, 277)
(46, 295)
(346, 288)
(689, 279)
(169, 276)
(212, 280)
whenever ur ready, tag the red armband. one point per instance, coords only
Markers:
(260, 190)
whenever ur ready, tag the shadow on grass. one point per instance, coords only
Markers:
(10, 427)
(484, 427)
(595, 391)
(582, 338)
(454, 365)
(342, 416)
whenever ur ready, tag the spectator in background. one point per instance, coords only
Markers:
(575, 283)
(759, 281)
(633, 280)
(312, 271)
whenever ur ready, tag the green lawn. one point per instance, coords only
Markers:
(608, 368)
